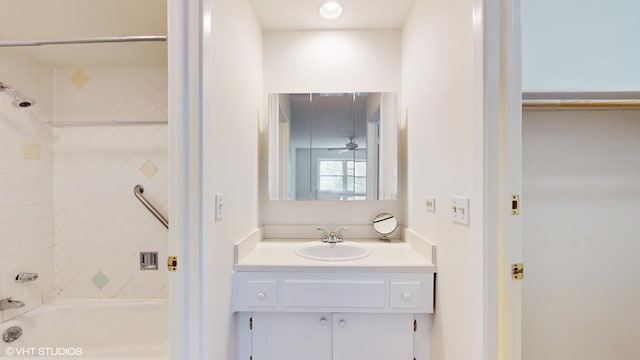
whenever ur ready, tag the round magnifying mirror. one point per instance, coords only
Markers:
(385, 225)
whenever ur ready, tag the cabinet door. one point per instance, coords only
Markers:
(291, 336)
(372, 336)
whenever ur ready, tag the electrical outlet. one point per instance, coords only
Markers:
(460, 210)
(430, 204)
(219, 206)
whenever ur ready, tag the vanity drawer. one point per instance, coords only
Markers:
(261, 293)
(406, 294)
(334, 293)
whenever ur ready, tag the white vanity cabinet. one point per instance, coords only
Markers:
(373, 336)
(324, 336)
(283, 336)
(333, 316)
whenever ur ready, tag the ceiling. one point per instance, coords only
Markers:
(357, 14)
(64, 19)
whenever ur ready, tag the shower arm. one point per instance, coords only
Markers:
(138, 190)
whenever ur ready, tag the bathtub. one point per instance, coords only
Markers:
(91, 328)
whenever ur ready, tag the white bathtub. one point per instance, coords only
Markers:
(96, 328)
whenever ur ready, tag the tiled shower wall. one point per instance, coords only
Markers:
(26, 184)
(100, 227)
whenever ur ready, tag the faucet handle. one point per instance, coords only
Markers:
(325, 234)
(340, 233)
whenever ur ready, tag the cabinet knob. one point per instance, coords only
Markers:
(342, 323)
(323, 321)
(406, 296)
(260, 296)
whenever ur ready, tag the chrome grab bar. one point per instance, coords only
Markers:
(138, 190)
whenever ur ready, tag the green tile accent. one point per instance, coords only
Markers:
(100, 280)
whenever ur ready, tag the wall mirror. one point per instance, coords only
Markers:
(333, 146)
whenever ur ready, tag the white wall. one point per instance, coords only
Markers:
(437, 101)
(26, 186)
(328, 61)
(100, 227)
(230, 158)
(581, 45)
(581, 176)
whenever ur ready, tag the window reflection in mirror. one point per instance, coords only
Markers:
(333, 146)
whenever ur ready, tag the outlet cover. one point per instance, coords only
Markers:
(430, 204)
(219, 206)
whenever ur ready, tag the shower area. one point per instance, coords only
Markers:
(83, 122)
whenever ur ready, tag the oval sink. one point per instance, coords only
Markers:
(333, 252)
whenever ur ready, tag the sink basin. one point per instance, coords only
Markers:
(333, 252)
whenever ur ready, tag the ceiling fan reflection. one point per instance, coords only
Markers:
(350, 146)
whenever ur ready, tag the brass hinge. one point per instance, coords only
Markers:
(415, 325)
(515, 204)
(517, 271)
(172, 263)
(250, 323)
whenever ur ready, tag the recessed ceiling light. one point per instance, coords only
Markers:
(330, 10)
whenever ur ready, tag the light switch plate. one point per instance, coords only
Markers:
(219, 206)
(460, 210)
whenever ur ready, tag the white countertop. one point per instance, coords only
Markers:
(385, 256)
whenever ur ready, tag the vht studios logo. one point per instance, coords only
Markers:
(43, 351)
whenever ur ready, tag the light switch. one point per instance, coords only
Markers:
(460, 210)
(219, 206)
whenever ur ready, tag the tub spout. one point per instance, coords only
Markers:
(8, 303)
(24, 277)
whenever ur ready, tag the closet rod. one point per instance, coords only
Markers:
(591, 104)
(603, 100)
(112, 39)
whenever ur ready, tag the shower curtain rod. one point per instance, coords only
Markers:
(71, 123)
(112, 39)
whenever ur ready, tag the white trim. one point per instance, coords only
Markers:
(498, 166)
(511, 181)
(501, 174)
(486, 60)
(185, 200)
(206, 208)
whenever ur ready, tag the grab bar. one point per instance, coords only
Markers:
(138, 190)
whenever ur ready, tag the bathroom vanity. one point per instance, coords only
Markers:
(375, 307)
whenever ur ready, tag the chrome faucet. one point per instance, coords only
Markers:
(24, 277)
(332, 237)
(6, 304)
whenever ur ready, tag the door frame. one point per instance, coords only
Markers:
(189, 53)
(497, 141)
(497, 59)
